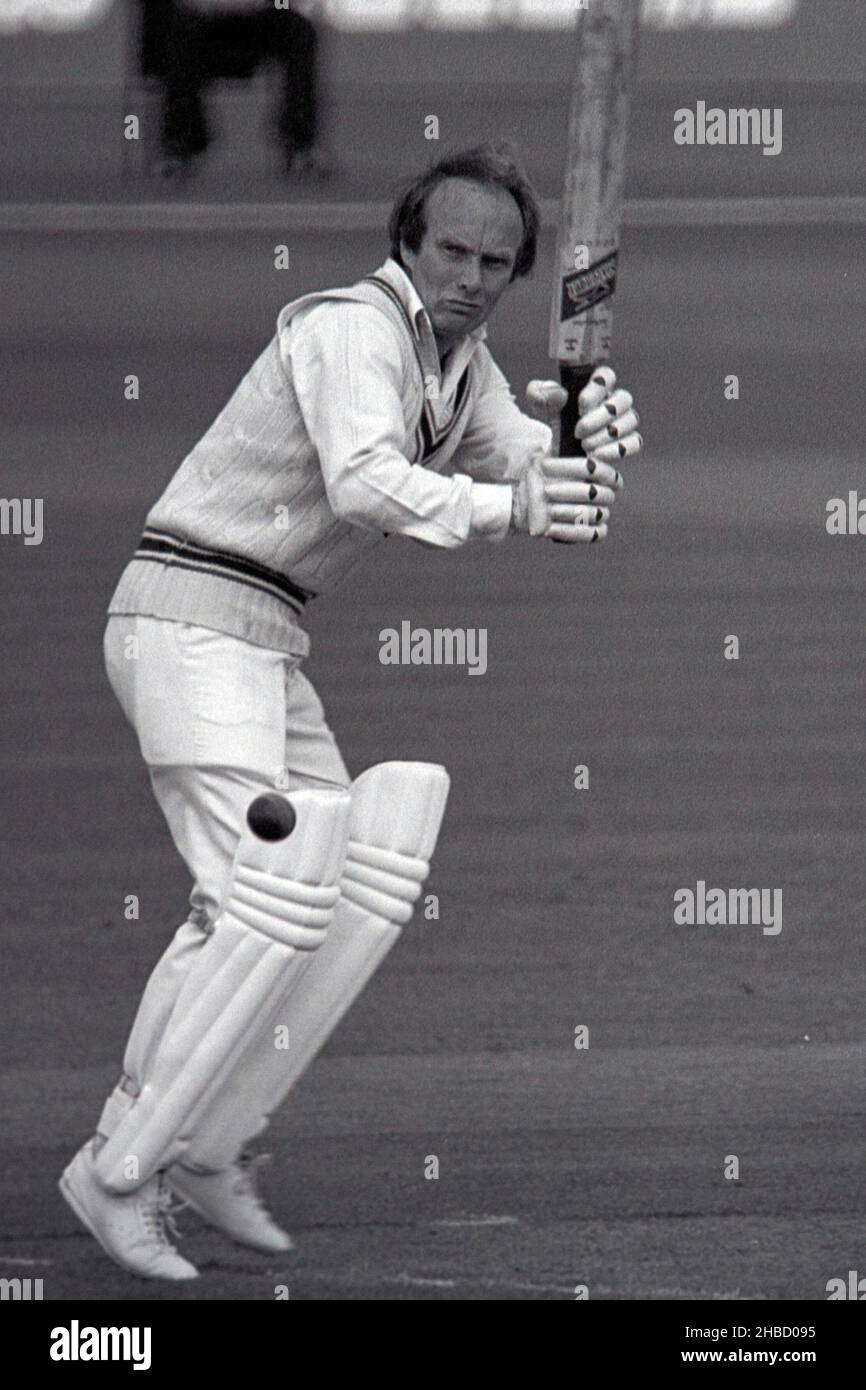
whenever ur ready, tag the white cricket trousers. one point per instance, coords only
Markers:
(219, 721)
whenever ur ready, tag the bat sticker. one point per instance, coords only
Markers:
(586, 288)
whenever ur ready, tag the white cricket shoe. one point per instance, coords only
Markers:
(132, 1230)
(229, 1201)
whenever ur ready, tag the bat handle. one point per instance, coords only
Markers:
(573, 379)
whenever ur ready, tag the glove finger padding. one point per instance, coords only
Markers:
(616, 429)
(538, 509)
(629, 447)
(561, 511)
(576, 535)
(600, 385)
(580, 492)
(568, 470)
(578, 516)
(613, 409)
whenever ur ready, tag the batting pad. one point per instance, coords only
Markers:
(275, 916)
(396, 814)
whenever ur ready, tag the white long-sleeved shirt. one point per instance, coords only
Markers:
(344, 430)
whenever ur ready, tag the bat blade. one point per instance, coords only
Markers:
(581, 314)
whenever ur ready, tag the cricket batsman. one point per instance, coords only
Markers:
(374, 410)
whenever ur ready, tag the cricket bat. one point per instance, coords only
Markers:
(581, 317)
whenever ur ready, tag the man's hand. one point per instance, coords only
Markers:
(569, 499)
(607, 428)
(608, 425)
(565, 499)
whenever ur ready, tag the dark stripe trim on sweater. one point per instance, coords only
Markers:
(163, 547)
(433, 442)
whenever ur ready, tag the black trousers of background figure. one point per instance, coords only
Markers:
(186, 50)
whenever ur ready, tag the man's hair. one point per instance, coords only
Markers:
(494, 166)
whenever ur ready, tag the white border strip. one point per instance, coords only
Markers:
(373, 216)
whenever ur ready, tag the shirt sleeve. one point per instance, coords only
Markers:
(499, 440)
(348, 375)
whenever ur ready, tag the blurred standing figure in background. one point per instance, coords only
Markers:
(186, 44)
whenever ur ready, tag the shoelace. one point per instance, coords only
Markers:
(158, 1215)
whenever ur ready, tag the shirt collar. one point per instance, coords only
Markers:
(413, 304)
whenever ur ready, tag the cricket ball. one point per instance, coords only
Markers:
(271, 817)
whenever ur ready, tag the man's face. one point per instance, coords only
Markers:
(466, 256)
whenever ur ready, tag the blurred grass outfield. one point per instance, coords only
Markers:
(63, 96)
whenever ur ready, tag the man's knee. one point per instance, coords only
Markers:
(205, 809)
